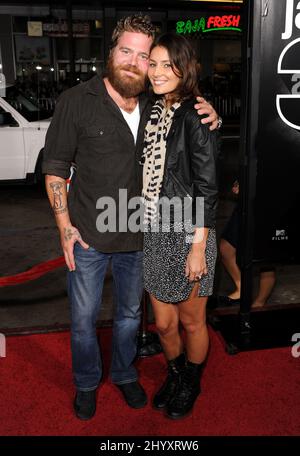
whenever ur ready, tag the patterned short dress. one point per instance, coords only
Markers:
(167, 248)
(165, 257)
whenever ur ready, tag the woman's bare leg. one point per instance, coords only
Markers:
(192, 314)
(266, 284)
(167, 323)
(228, 256)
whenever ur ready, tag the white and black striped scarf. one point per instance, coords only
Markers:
(153, 156)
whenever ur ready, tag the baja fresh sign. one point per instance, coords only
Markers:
(210, 24)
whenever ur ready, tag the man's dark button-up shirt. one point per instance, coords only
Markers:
(88, 129)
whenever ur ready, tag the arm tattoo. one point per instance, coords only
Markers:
(69, 232)
(58, 206)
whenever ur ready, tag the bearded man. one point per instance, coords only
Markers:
(99, 126)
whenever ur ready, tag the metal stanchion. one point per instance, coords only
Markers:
(148, 341)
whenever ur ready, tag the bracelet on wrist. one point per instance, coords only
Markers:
(220, 123)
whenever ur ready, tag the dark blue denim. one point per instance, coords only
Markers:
(85, 286)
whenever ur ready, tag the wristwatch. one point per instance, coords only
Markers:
(220, 122)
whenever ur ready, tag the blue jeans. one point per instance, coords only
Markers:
(85, 286)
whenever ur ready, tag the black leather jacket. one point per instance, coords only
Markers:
(190, 163)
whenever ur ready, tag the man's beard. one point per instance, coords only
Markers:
(125, 85)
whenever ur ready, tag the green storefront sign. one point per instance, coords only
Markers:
(210, 24)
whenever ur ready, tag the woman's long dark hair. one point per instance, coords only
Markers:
(184, 64)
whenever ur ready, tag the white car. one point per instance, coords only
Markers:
(23, 128)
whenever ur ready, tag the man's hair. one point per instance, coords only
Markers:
(137, 23)
(183, 61)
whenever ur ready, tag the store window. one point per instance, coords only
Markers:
(43, 62)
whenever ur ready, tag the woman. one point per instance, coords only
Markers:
(179, 161)
(228, 246)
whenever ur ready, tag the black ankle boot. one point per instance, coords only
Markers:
(167, 390)
(186, 393)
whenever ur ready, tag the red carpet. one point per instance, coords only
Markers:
(252, 393)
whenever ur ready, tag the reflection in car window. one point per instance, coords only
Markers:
(28, 108)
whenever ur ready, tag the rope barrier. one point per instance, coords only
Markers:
(40, 269)
(34, 273)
